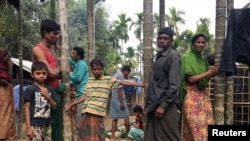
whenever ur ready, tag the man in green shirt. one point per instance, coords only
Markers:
(79, 76)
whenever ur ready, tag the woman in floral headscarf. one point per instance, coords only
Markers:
(7, 112)
(196, 104)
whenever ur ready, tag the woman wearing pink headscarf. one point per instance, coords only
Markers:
(7, 112)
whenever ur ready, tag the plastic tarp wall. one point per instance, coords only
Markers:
(26, 64)
(237, 44)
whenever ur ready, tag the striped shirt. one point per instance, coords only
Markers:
(98, 92)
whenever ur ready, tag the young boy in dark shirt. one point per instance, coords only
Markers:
(39, 100)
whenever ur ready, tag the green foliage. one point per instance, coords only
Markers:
(113, 59)
(174, 19)
(156, 23)
(32, 14)
(77, 24)
(138, 26)
(123, 134)
(121, 26)
(78, 28)
(184, 41)
(8, 22)
(103, 32)
(110, 36)
(130, 58)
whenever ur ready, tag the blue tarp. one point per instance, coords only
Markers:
(132, 89)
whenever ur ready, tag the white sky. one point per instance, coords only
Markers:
(194, 9)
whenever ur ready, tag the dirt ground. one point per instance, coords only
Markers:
(107, 124)
(107, 139)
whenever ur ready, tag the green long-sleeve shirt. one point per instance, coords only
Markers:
(79, 76)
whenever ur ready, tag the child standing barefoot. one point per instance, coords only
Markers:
(39, 99)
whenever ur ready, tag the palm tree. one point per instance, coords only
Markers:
(63, 20)
(113, 36)
(162, 13)
(138, 34)
(130, 58)
(229, 83)
(175, 18)
(203, 26)
(91, 29)
(121, 27)
(219, 85)
(114, 59)
(138, 26)
(184, 40)
(147, 41)
(156, 22)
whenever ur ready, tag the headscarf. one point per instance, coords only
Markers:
(4, 66)
(193, 63)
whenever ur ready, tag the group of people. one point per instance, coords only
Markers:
(43, 99)
(176, 80)
(179, 82)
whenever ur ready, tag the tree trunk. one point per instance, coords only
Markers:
(219, 81)
(91, 30)
(20, 115)
(147, 41)
(229, 81)
(162, 13)
(63, 20)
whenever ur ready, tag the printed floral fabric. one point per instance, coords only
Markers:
(197, 114)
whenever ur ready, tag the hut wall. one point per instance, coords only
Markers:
(241, 95)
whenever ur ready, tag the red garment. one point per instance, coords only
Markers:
(53, 62)
(4, 67)
(139, 120)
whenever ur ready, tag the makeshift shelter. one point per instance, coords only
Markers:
(235, 61)
(26, 71)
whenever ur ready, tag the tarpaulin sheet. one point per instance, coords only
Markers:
(237, 44)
